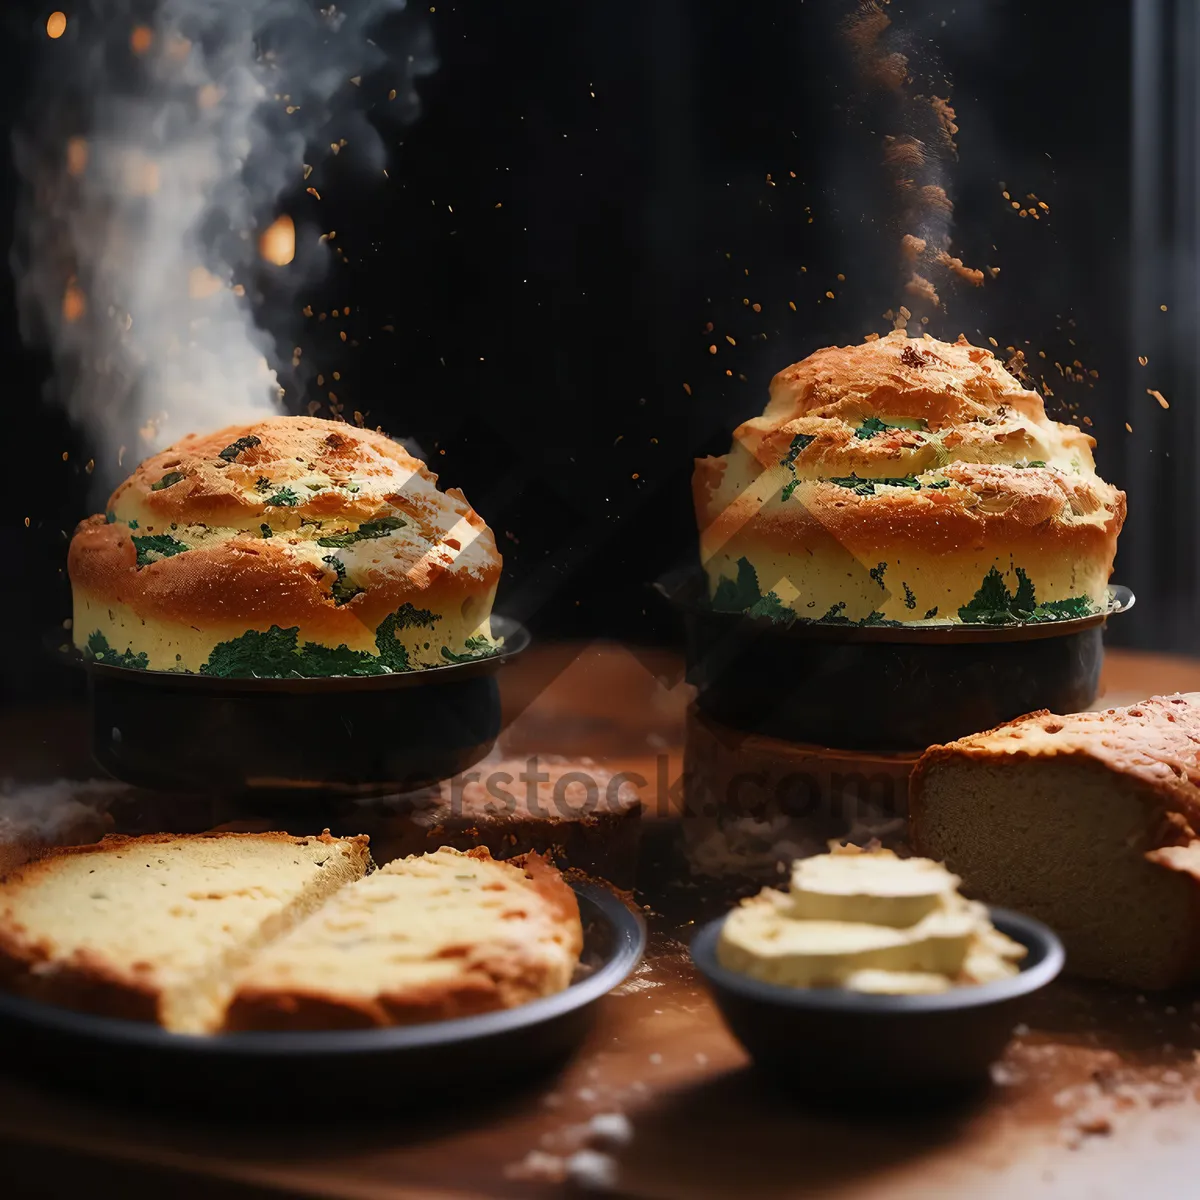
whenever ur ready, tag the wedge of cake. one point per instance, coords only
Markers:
(157, 928)
(430, 937)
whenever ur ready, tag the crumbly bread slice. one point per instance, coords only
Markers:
(156, 928)
(1087, 822)
(430, 937)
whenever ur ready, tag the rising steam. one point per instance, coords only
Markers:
(155, 161)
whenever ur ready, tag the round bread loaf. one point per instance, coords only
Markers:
(293, 546)
(906, 480)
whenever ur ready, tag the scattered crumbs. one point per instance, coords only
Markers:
(538, 1167)
(841, 279)
(1142, 360)
(730, 340)
(26, 522)
(1162, 400)
(687, 387)
(711, 350)
(611, 1129)
(592, 1170)
(792, 305)
(993, 341)
(1162, 308)
(830, 296)
(1128, 427)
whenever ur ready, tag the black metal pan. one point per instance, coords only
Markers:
(883, 688)
(269, 1075)
(352, 735)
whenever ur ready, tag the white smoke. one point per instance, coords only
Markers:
(156, 153)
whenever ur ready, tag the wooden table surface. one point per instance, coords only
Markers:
(1097, 1097)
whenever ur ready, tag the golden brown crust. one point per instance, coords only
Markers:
(974, 471)
(251, 583)
(1156, 743)
(985, 507)
(251, 524)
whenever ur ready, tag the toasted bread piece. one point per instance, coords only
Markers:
(430, 937)
(156, 928)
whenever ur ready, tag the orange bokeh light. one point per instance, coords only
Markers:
(278, 241)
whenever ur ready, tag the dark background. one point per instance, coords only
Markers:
(538, 350)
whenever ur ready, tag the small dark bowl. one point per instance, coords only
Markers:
(350, 735)
(883, 688)
(829, 1044)
(265, 1076)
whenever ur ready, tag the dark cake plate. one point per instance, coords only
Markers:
(265, 1076)
(351, 735)
(880, 687)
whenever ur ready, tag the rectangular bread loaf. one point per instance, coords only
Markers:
(156, 928)
(1087, 822)
(434, 936)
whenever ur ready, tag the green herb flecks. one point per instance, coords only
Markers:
(368, 530)
(243, 443)
(476, 647)
(941, 483)
(153, 547)
(772, 607)
(993, 604)
(786, 494)
(391, 650)
(873, 425)
(1037, 462)
(262, 485)
(343, 591)
(866, 487)
(877, 573)
(743, 596)
(284, 497)
(98, 650)
(266, 530)
(910, 599)
(740, 594)
(168, 480)
(800, 443)
(930, 614)
(276, 654)
(110, 517)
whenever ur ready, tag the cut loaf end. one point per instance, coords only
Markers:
(1085, 822)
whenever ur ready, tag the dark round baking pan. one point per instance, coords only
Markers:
(367, 735)
(830, 1044)
(884, 688)
(325, 1074)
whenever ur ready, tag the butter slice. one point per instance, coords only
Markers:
(873, 888)
(897, 983)
(764, 941)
